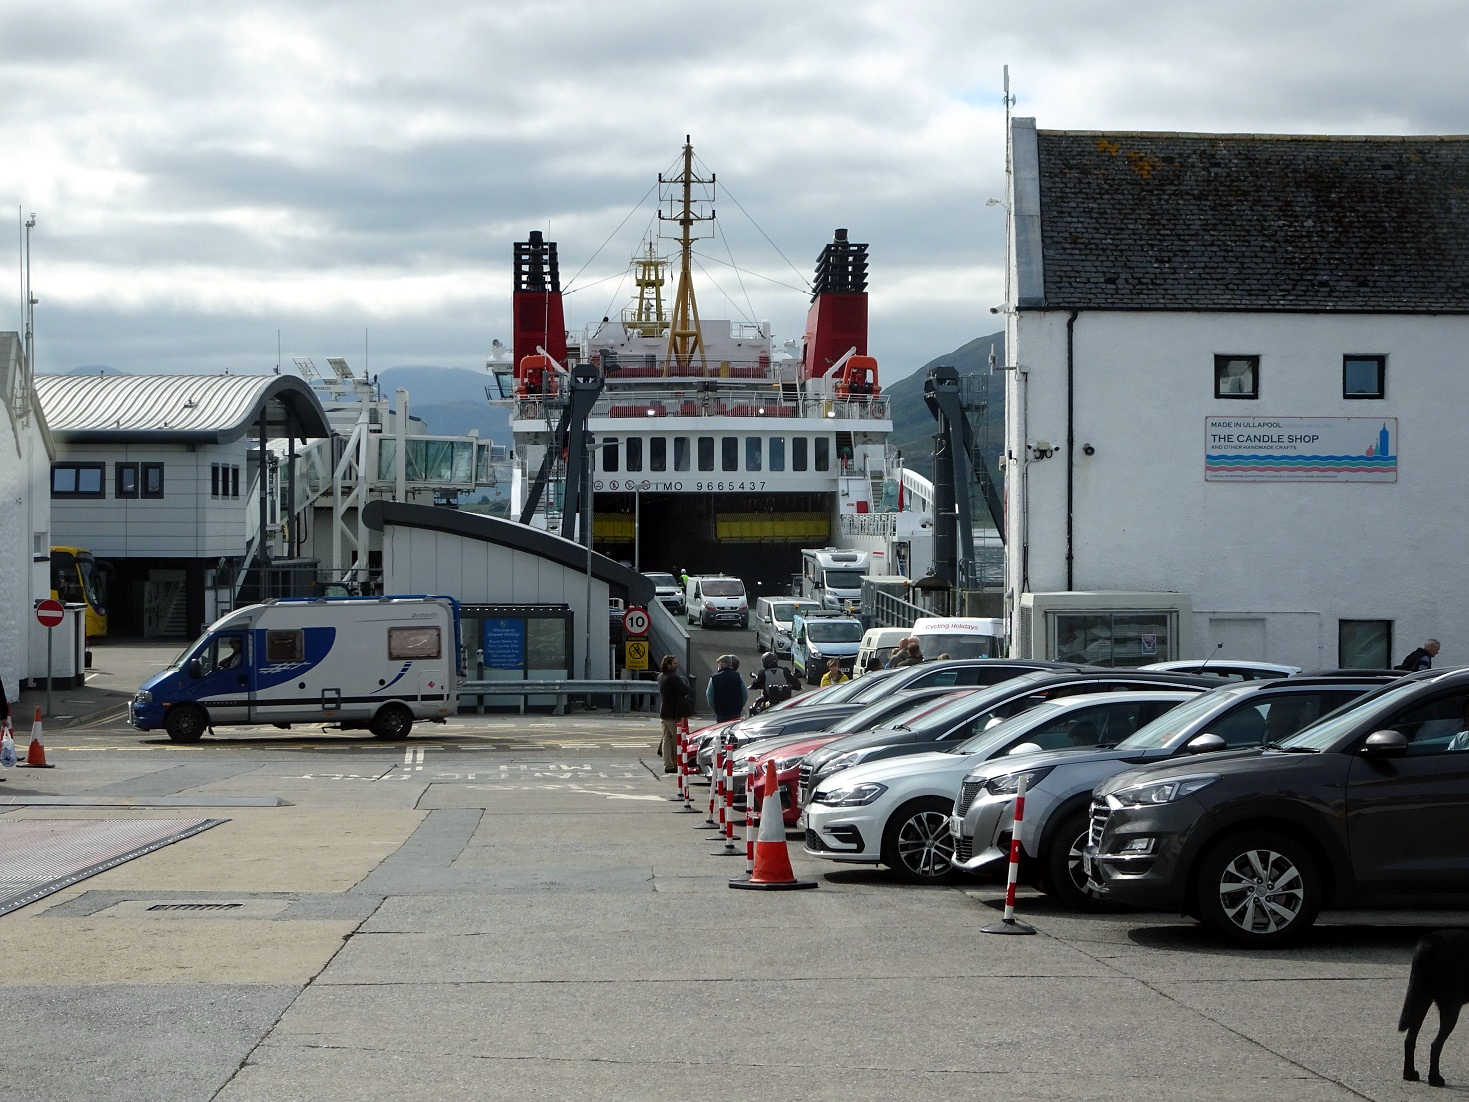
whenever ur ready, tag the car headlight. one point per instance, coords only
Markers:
(1162, 792)
(841, 761)
(143, 696)
(1008, 784)
(856, 796)
(782, 764)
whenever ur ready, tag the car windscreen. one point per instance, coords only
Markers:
(997, 736)
(944, 716)
(784, 610)
(731, 587)
(1167, 727)
(1330, 727)
(834, 631)
(662, 579)
(889, 710)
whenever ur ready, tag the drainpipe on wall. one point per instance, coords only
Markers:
(1070, 443)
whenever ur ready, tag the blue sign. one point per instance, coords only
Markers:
(503, 641)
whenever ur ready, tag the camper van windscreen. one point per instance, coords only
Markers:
(958, 646)
(844, 579)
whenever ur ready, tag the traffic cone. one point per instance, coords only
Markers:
(36, 756)
(773, 870)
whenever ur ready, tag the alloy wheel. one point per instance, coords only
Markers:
(1261, 891)
(925, 846)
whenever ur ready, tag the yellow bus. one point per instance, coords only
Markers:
(77, 578)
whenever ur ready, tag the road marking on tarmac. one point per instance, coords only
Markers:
(413, 758)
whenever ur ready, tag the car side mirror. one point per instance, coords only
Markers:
(1206, 743)
(194, 669)
(1025, 748)
(1385, 744)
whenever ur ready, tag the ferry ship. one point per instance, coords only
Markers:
(713, 451)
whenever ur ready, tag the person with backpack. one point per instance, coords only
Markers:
(1421, 658)
(772, 681)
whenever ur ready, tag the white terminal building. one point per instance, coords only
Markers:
(1234, 394)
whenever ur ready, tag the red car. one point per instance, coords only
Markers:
(787, 760)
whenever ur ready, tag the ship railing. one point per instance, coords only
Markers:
(722, 404)
(622, 366)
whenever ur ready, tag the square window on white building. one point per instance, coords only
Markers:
(1236, 376)
(1364, 644)
(127, 480)
(1364, 376)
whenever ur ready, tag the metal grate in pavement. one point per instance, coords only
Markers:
(41, 856)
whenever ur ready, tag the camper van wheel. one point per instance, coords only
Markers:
(393, 721)
(185, 723)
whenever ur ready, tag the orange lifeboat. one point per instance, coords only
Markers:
(535, 374)
(858, 378)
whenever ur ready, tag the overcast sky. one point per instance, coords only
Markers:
(352, 175)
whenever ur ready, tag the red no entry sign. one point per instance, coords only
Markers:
(49, 613)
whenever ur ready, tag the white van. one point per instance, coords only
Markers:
(773, 617)
(375, 662)
(960, 637)
(878, 643)
(717, 599)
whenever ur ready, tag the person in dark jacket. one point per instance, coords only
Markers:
(726, 691)
(1421, 658)
(676, 704)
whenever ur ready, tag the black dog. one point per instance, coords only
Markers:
(1440, 976)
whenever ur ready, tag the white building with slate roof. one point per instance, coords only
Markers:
(26, 450)
(1235, 396)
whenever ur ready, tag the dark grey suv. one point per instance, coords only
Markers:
(1368, 806)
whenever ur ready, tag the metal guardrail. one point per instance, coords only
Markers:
(562, 690)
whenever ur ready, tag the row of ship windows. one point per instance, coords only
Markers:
(1362, 376)
(761, 453)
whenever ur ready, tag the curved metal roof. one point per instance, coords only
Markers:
(177, 408)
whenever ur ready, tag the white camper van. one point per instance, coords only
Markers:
(960, 636)
(833, 576)
(375, 662)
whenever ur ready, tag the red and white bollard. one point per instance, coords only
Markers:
(1007, 924)
(726, 807)
(678, 756)
(685, 752)
(751, 818)
(715, 774)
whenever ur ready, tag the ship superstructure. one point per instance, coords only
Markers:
(711, 449)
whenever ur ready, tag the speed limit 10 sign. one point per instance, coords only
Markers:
(635, 621)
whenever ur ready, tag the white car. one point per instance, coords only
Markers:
(896, 811)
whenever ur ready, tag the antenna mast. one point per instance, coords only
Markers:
(684, 336)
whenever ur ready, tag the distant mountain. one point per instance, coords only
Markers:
(914, 426)
(450, 400)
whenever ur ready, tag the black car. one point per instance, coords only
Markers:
(1368, 806)
(965, 717)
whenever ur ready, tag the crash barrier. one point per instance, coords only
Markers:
(726, 806)
(1008, 924)
(772, 865)
(36, 755)
(563, 690)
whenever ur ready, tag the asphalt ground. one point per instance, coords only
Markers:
(511, 907)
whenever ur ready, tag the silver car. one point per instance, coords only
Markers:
(1059, 785)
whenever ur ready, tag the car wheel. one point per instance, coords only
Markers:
(393, 721)
(1258, 889)
(185, 723)
(917, 843)
(1065, 877)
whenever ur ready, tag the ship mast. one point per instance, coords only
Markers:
(649, 273)
(684, 337)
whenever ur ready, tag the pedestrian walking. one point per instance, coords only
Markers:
(726, 691)
(676, 704)
(833, 674)
(1420, 658)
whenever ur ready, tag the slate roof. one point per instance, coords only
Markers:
(1254, 222)
(175, 408)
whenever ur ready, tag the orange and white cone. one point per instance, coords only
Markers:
(773, 870)
(36, 756)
